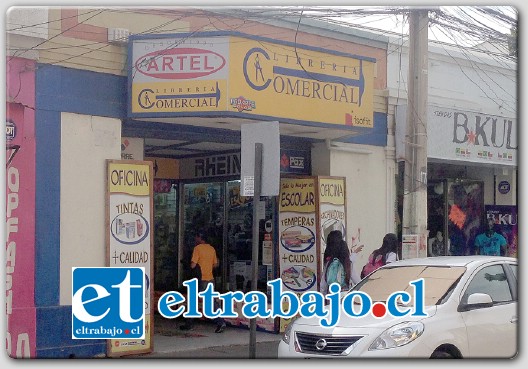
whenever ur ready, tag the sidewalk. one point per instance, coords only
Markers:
(202, 342)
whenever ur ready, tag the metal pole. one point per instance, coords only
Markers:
(415, 180)
(254, 258)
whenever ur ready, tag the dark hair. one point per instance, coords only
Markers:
(336, 247)
(202, 234)
(390, 244)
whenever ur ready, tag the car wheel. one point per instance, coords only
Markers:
(442, 355)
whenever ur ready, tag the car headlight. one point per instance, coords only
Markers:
(288, 332)
(398, 335)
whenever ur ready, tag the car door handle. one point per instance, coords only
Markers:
(513, 319)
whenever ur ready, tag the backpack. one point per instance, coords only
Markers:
(335, 273)
(372, 265)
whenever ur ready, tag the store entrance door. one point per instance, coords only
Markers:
(455, 216)
(203, 210)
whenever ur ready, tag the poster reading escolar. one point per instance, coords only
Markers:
(297, 236)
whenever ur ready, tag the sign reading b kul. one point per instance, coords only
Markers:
(108, 303)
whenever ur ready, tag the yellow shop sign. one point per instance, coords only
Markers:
(244, 76)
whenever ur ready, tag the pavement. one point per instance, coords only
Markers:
(202, 342)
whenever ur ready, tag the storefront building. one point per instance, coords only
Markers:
(472, 145)
(178, 97)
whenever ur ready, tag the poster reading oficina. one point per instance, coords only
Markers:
(129, 236)
(332, 214)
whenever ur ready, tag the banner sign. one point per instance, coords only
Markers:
(297, 234)
(332, 211)
(250, 76)
(462, 135)
(20, 233)
(130, 236)
(506, 223)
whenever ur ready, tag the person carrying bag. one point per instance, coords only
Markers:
(387, 253)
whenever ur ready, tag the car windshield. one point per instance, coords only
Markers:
(437, 282)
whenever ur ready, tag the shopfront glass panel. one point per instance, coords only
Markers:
(165, 235)
(436, 219)
(240, 240)
(465, 202)
(203, 210)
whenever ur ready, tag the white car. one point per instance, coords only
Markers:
(471, 306)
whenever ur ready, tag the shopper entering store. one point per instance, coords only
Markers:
(204, 258)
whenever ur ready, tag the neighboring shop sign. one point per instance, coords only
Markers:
(132, 148)
(295, 161)
(210, 166)
(504, 187)
(129, 238)
(249, 75)
(226, 165)
(462, 135)
(19, 254)
(506, 220)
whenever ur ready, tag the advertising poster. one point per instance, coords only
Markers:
(297, 235)
(505, 217)
(129, 236)
(332, 214)
(410, 246)
(20, 234)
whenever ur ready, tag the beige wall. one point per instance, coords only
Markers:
(86, 142)
(370, 190)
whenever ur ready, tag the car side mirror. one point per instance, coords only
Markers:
(476, 301)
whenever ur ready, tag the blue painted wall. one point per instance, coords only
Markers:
(59, 90)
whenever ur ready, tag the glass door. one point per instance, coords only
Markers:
(203, 209)
(165, 235)
(465, 215)
(436, 219)
(239, 253)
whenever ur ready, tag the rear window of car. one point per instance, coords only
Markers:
(437, 281)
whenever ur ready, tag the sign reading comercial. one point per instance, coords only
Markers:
(244, 75)
(129, 236)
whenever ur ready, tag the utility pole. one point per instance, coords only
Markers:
(415, 180)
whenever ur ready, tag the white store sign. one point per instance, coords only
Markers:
(462, 135)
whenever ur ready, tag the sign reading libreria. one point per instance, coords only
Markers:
(249, 77)
(129, 224)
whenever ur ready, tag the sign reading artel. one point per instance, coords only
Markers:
(245, 75)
